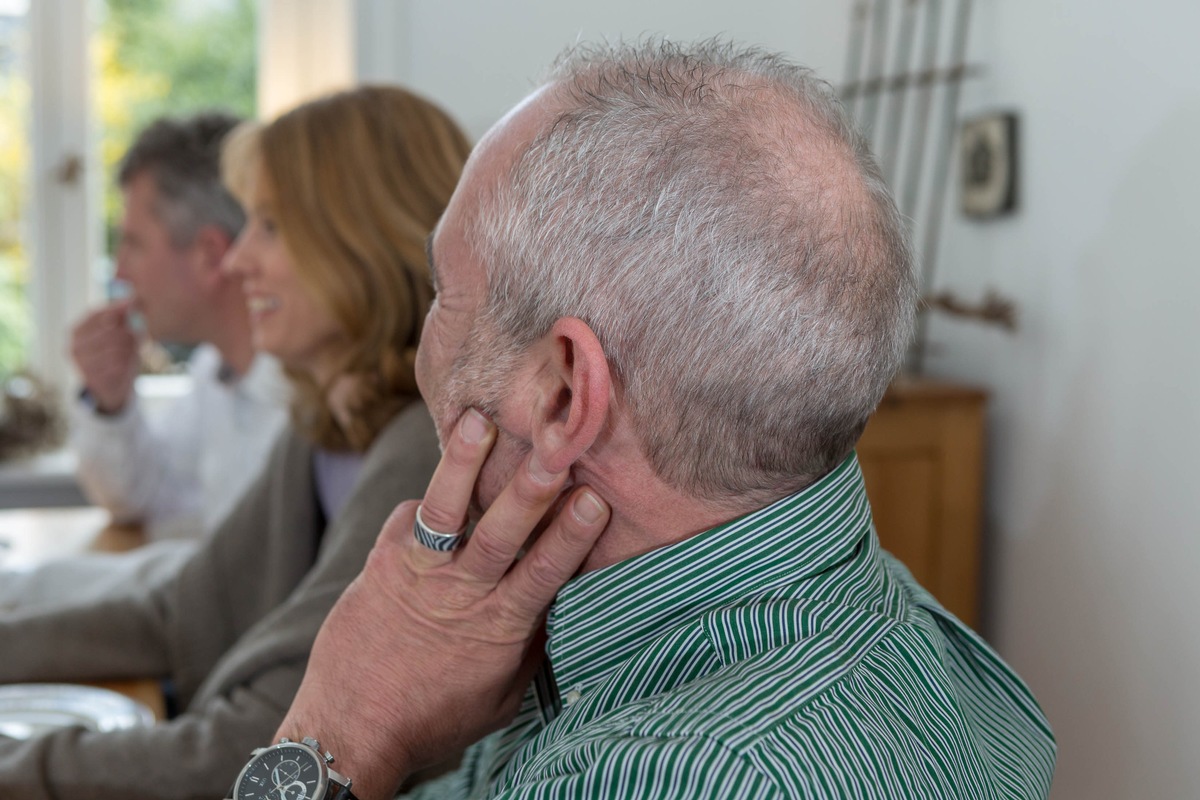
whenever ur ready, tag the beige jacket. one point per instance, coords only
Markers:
(232, 631)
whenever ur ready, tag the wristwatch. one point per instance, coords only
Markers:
(291, 771)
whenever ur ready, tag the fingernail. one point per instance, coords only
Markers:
(588, 508)
(539, 472)
(475, 427)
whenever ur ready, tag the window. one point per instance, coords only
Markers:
(78, 80)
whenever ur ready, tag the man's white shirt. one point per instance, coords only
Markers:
(181, 471)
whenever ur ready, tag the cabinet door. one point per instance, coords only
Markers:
(922, 458)
(902, 486)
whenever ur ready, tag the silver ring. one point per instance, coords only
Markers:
(435, 540)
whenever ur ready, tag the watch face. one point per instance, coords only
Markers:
(283, 772)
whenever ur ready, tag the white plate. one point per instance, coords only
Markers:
(30, 709)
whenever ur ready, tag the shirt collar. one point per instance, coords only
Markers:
(265, 381)
(600, 618)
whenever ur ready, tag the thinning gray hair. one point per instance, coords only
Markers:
(184, 158)
(713, 216)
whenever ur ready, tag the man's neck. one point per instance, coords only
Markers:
(236, 358)
(231, 334)
(647, 513)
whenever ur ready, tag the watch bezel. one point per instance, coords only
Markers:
(322, 787)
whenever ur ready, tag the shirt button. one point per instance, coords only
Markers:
(572, 697)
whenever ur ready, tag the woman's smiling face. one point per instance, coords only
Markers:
(288, 321)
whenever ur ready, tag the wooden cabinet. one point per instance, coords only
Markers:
(922, 457)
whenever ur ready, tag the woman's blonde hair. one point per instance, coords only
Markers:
(358, 180)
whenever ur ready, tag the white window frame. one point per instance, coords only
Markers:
(64, 222)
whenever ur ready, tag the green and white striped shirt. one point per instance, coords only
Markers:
(780, 655)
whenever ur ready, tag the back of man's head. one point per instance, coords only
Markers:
(714, 218)
(183, 155)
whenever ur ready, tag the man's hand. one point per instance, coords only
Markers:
(426, 652)
(106, 354)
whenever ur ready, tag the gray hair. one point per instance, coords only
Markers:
(184, 158)
(713, 216)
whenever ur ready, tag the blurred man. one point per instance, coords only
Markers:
(676, 284)
(180, 473)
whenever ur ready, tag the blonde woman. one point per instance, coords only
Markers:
(341, 194)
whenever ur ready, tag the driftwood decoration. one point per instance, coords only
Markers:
(993, 309)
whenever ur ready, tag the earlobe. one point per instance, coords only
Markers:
(574, 397)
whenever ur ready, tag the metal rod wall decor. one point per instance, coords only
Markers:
(854, 51)
(912, 178)
(890, 136)
(875, 58)
(941, 177)
(915, 160)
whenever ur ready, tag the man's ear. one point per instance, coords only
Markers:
(208, 251)
(573, 393)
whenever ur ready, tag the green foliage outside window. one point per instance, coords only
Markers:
(173, 57)
(14, 156)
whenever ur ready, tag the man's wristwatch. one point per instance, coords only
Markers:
(291, 771)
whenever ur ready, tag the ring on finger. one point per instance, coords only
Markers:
(436, 540)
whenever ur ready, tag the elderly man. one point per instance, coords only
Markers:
(675, 285)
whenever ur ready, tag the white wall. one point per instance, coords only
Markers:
(1095, 430)
(1095, 420)
(477, 58)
